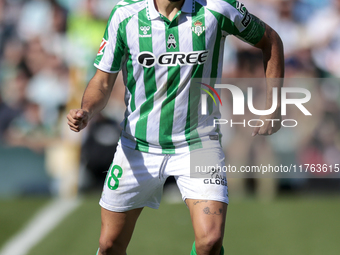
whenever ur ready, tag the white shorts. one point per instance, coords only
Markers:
(135, 179)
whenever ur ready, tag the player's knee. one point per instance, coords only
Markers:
(105, 247)
(110, 247)
(210, 242)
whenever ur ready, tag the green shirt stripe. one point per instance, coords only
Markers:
(198, 43)
(131, 82)
(168, 105)
(145, 44)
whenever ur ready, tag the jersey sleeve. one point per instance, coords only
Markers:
(111, 51)
(243, 24)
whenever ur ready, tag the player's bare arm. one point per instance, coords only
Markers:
(94, 100)
(273, 57)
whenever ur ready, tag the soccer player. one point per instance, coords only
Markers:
(161, 46)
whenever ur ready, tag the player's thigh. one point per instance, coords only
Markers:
(206, 185)
(208, 218)
(133, 180)
(117, 227)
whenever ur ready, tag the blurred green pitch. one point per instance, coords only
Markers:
(285, 226)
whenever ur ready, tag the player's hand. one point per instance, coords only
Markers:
(272, 124)
(78, 119)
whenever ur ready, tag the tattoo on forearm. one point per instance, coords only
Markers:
(200, 201)
(208, 212)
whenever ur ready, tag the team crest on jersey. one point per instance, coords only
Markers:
(171, 41)
(198, 29)
(102, 47)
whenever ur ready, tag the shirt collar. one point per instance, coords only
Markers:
(188, 6)
(152, 13)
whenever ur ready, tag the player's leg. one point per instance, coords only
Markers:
(205, 193)
(208, 220)
(116, 231)
(133, 182)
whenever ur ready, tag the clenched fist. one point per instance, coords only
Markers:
(270, 124)
(78, 119)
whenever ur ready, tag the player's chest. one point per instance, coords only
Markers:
(185, 40)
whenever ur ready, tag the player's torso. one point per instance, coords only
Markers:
(157, 43)
(162, 60)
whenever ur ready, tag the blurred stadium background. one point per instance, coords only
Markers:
(47, 48)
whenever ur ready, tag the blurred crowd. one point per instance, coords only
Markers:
(310, 31)
(40, 43)
(46, 44)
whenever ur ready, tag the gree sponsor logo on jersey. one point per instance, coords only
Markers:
(198, 29)
(102, 47)
(148, 59)
(145, 30)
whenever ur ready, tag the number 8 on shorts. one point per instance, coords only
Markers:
(113, 178)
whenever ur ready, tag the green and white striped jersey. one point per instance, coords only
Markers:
(162, 59)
